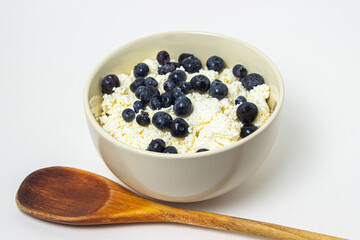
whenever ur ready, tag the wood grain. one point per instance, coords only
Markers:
(62, 192)
(77, 197)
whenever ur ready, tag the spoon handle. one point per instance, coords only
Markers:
(212, 220)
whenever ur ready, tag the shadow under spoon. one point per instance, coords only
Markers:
(77, 197)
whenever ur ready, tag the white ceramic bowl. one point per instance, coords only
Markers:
(193, 176)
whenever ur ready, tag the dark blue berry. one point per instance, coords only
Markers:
(108, 83)
(166, 99)
(140, 81)
(161, 71)
(155, 103)
(215, 63)
(218, 90)
(168, 67)
(147, 93)
(247, 129)
(240, 100)
(216, 81)
(141, 70)
(138, 91)
(191, 64)
(239, 71)
(143, 119)
(156, 145)
(252, 80)
(202, 150)
(128, 115)
(247, 112)
(162, 120)
(138, 105)
(185, 87)
(177, 92)
(242, 80)
(169, 86)
(177, 77)
(182, 107)
(170, 149)
(179, 128)
(200, 83)
(183, 56)
(163, 57)
(150, 82)
(175, 64)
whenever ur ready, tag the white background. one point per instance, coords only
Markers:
(310, 180)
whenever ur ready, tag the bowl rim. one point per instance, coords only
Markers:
(91, 119)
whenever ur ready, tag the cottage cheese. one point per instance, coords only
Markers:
(213, 123)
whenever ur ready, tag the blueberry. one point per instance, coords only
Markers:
(191, 64)
(218, 90)
(247, 129)
(161, 71)
(239, 71)
(200, 83)
(183, 56)
(147, 93)
(138, 91)
(182, 107)
(247, 112)
(138, 105)
(140, 81)
(163, 57)
(175, 64)
(215, 63)
(143, 119)
(177, 77)
(177, 92)
(128, 115)
(185, 87)
(168, 67)
(179, 128)
(216, 81)
(252, 80)
(169, 86)
(108, 83)
(170, 149)
(166, 99)
(202, 150)
(162, 120)
(242, 80)
(157, 92)
(155, 103)
(156, 145)
(141, 70)
(240, 100)
(150, 82)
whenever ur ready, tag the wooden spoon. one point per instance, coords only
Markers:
(77, 197)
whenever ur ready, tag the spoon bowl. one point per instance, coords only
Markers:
(77, 197)
(73, 196)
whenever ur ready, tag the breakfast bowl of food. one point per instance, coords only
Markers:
(184, 116)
